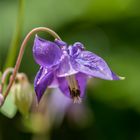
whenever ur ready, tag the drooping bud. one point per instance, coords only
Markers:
(22, 91)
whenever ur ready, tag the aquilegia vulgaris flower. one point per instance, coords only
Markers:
(67, 67)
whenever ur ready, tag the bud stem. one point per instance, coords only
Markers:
(4, 76)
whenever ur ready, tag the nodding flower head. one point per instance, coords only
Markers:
(67, 67)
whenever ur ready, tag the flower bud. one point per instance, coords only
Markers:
(22, 91)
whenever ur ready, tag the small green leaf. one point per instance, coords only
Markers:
(9, 109)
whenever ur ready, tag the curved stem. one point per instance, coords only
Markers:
(4, 76)
(21, 52)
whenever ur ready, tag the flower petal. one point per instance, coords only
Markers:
(93, 65)
(60, 43)
(116, 77)
(54, 83)
(65, 68)
(75, 49)
(43, 79)
(46, 53)
(81, 80)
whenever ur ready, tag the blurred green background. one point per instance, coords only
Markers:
(109, 28)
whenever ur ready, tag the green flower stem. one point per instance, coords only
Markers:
(21, 52)
(3, 80)
(4, 76)
(12, 53)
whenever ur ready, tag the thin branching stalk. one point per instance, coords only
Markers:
(4, 77)
(3, 81)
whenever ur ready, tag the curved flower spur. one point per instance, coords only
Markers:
(67, 67)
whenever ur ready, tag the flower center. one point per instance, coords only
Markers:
(74, 89)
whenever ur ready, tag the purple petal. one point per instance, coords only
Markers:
(54, 83)
(75, 49)
(60, 43)
(65, 68)
(93, 65)
(81, 80)
(116, 77)
(46, 53)
(43, 79)
(79, 45)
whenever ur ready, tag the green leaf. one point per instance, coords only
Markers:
(9, 109)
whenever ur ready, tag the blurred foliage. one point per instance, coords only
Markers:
(109, 28)
(9, 109)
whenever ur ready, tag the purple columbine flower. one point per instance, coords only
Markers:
(67, 67)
